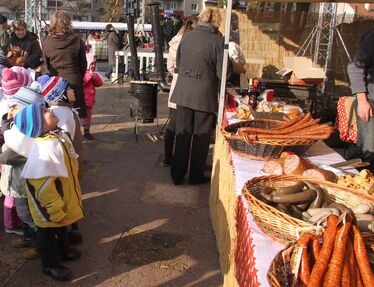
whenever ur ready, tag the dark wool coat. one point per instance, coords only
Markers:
(29, 45)
(361, 74)
(65, 56)
(113, 45)
(361, 70)
(199, 66)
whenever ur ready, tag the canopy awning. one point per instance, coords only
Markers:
(78, 25)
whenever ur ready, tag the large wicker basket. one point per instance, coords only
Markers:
(281, 226)
(262, 149)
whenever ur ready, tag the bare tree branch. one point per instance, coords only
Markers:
(78, 8)
(15, 7)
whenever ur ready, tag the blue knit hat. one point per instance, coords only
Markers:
(53, 90)
(29, 120)
(26, 96)
(43, 79)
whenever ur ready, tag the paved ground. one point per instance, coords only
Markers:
(139, 229)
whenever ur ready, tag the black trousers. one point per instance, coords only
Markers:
(193, 131)
(170, 135)
(52, 243)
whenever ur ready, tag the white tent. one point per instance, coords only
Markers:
(77, 25)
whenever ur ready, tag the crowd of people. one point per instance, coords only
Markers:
(47, 93)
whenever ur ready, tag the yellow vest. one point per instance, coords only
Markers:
(53, 199)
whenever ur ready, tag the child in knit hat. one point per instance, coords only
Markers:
(52, 186)
(13, 157)
(91, 80)
(12, 80)
(60, 98)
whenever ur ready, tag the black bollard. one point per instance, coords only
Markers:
(158, 41)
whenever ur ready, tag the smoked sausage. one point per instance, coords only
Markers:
(321, 264)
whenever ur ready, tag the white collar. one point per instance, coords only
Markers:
(46, 158)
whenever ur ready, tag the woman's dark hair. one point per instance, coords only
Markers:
(109, 27)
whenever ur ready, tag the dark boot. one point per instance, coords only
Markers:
(87, 136)
(60, 273)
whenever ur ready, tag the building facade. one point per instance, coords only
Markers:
(182, 7)
(87, 10)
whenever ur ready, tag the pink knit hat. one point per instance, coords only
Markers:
(90, 59)
(13, 79)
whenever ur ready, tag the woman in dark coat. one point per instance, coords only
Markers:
(114, 44)
(22, 44)
(65, 56)
(199, 66)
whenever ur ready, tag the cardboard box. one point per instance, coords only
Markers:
(300, 70)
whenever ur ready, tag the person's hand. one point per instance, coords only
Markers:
(71, 95)
(12, 111)
(364, 109)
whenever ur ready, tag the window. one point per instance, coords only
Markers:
(194, 7)
(171, 6)
(54, 3)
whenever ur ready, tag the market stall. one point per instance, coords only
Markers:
(248, 242)
(246, 251)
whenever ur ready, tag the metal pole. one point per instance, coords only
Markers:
(334, 9)
(158, 40)
(26, 11)
(134, 53)
(224, 64)
(319, 32)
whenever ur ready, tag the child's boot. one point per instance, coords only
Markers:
(87, 134)
(60, 273)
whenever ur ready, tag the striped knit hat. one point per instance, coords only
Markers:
(29, 120)
(53, 90)
(26, 96)
(13, 79)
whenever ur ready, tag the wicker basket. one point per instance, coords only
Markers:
(262, 149)
(280, 271)
(284, 228)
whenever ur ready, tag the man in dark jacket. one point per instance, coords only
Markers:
(199, 65)
(361, 74)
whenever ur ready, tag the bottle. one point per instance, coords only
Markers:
(253, 93)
